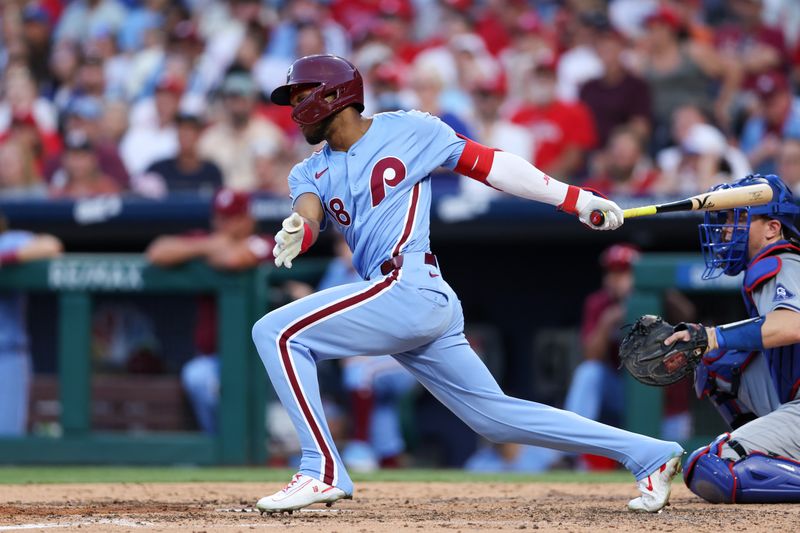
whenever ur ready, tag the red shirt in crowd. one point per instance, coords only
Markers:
(555, 127)
(736, 40)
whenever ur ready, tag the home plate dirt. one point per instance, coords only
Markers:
(377, 507)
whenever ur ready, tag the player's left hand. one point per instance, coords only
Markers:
(588, 202)
(289, 240)
(685, 335)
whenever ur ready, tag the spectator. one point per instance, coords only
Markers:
(779, 117)
(270, 169)
(232, 245)
(789, 163)
(269, 71)
(91, 78)
(84, 115)
(18, 175)
(680, 72)
(531, 41)
(623, 168)
(146, 63)
(579, 63)
(387, 93)
(187, 171)
(562, 132)
(40, 144)
(152, 135)
(497, 21)
(428, 87)
(149, 15)
(114, 123)
(704, 159)
(283, 42)
(15, 359)
(619, 97)
(65, 63)
(229, 142)
(745, 39)
(82, 18)
(20, 100)
(80, 175)
(36, 33)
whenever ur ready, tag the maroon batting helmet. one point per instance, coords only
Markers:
(334, 77)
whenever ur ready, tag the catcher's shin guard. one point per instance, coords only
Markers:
(755, 478)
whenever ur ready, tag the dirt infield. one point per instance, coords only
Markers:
(380, 507)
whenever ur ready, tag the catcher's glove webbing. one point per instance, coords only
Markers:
(650, 361)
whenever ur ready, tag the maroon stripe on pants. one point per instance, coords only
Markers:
(283, 344)
(412, 213)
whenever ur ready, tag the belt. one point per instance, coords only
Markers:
(390, 265)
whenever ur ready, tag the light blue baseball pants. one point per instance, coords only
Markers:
(415, 315)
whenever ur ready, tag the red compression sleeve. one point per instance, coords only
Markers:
(475, 161)
(307, 237)
(570, 201)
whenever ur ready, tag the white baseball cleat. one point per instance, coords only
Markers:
(301, 491)
(656, 488)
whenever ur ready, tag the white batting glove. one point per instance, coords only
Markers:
(289, 240)
(588, 202)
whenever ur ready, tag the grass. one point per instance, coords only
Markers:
(177, 474)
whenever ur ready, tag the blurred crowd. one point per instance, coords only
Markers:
(152, 97)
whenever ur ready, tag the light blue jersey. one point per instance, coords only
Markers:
(379, 191)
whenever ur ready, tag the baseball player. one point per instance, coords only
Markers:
(751, 371)
(15, 358)
(372, 179)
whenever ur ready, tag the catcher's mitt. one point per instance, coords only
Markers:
(650, 361)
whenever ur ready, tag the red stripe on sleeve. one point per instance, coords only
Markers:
(475, 161)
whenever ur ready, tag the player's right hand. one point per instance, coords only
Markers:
(289, 240)
(588, 202)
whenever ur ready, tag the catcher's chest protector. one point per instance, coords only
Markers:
(784, 362)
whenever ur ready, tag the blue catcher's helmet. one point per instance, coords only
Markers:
(724, 234)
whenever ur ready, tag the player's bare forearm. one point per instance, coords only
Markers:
(41, 247)
(173, 250)
(309, 207)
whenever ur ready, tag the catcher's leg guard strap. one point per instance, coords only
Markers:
(710, 476)
(756, 478)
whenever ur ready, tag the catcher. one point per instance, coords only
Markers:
(750, 370)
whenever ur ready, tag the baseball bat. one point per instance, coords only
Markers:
(758, 194)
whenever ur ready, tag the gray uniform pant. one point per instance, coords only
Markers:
(777, 428)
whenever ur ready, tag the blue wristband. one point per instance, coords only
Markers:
(744, 335)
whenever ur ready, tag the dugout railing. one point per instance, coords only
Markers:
(653, 275)
(241, 298)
